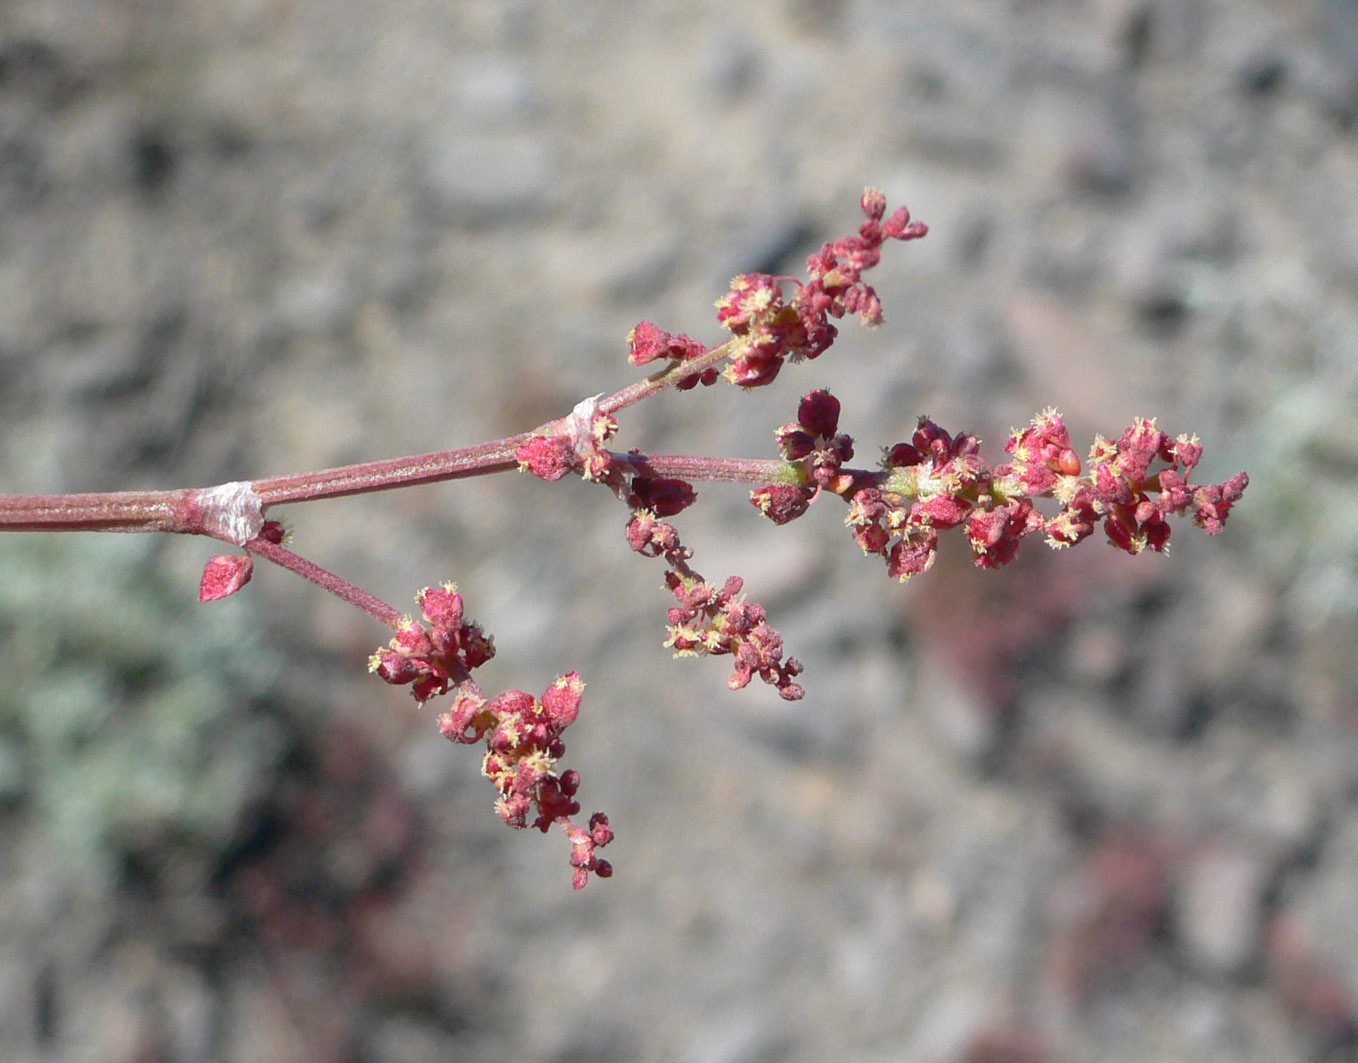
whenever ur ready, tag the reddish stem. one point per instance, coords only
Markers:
(481, 460)
(174, 510)
(644, 389)
(129, 511)
(327, 580)
(387, 474)
(753, 471)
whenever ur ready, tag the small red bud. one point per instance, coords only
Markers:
(273, 531)
(819, 413)
(873, 203)
(550, 457)
(441, 605)
(902, 455)
(646, 343)
(561, 701)
(599, 830)
(663, 496)
(781, 503)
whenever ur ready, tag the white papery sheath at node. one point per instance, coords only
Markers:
(233, 511)
(580, 421)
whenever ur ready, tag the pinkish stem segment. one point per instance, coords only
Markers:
(174, 510)
(327, 580)
(753, 471)
(130, 511)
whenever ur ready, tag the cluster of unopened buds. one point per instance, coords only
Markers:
(896, 510)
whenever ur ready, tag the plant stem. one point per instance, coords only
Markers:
(390, 473)
(480, 460)
(644, 389)
(175, 510)
(129, 511)
(753, 471)
(327, 580)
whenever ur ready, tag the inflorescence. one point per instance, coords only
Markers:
(896, 510)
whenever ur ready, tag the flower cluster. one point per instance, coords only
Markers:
(815, 451)
(576, 444)
(934, 482)
(440, 658)
(717, 622)
(1122, 489)
(938, 481)
(648, 343)
(523, 743)
(522, 734)
(711, 621)
(921, 488)
(770, 328)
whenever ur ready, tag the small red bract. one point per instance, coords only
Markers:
(224, 575)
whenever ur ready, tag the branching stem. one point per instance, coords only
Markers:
(174, 511)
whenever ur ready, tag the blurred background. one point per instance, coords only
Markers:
(1091, 807)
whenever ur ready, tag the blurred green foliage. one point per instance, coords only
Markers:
(130, 715)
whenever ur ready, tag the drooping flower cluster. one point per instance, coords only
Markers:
(708, 620)
(770, 328)
(522, 734)
(523, 743)
(715, 621)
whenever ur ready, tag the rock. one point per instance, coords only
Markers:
(1218, 910)
(480, 179)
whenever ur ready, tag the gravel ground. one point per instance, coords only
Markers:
(1092, 807)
